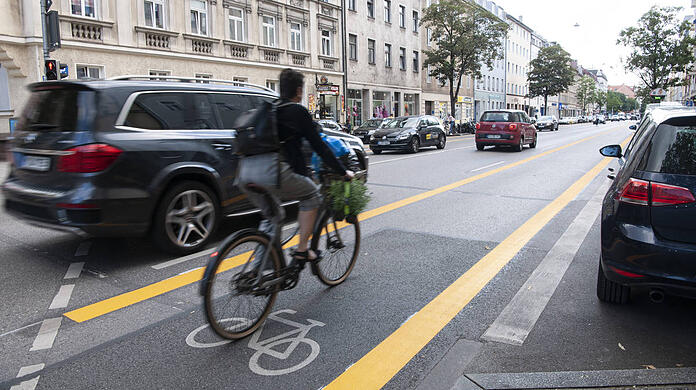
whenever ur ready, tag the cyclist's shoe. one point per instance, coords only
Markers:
(304, 256)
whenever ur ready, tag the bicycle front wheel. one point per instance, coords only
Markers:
(235, 304)
(340, 246)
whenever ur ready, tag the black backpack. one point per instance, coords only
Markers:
(257, 130)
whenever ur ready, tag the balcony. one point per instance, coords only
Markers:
(85, 29)
(272, 55)
(328, 63)
(155, 38)
(201, 44)
(299, 59)
(241, 50)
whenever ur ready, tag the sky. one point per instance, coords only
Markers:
(593, 43)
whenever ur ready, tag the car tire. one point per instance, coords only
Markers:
(520, 146)
(556, 128)
(376, 151)
(480, 146)
(414, 145)
(533, 144)
(441, 141)
(188, 195)
(611, 292)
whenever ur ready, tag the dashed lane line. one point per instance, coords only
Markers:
(83, 249)
(74, 270)
(29, 384)
(47, 334)
(487, 166)
(129, 298)
(60, 301)
(183, 259)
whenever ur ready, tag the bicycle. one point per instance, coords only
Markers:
(244, 269)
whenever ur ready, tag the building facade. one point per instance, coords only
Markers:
(241, 40)
(518, 56)
(536, 103)
(489, 93)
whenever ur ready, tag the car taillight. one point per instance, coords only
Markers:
(513, 126)
(645, 193)
(88, 158)
(636, 192)
(478, 126)
(666, 195)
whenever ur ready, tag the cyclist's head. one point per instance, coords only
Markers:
(291, 82)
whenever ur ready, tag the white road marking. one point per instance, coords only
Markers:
(62, 297)
(31, 383)
(47, 334)
(487, 166)
(83, 249)
(183, 259)
(290, 227)
(519, 316)
(74, 270)
(419, 155)
(191, 270)
(18, 329)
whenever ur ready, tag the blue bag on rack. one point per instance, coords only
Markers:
(337, 145)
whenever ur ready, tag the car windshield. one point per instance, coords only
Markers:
(497, 117)
(545, 118)
(400, 123)
(372, 123)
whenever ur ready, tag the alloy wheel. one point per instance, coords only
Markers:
(190, 217)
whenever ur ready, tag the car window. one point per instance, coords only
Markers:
(171, 111)
(497, 116)
(230, 106)
(639, 133)
(525, 118)
(673, 149)
(62, 109)
(432, 121)
(400, 123)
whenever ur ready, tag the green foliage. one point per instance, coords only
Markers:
(357, 199)
(599, 99)
(586, 91)
(465, 36)
(629, 105)
(661, 46)
(615, 101)
(551, 73)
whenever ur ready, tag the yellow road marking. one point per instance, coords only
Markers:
(118, 302)
(379, 365)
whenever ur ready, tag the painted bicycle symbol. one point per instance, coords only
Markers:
(293, 338)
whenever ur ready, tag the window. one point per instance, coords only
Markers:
(268, 27)
(295, 36)
(351, 5)
(203, 77)
(240, 80)
(416, 62)
(229, 106)
(159, 73)
(171, 111)
(272, 84)
(428, 78)
(237, 25)
(673, 148)
(371, 51)
(402, 58)
(428, 36)
(371, 9)
(402, 16)
(415, 21)
(353, 47)
(387, 11)
(326, 42)
(83, 8)
(154, 13)
(387, 55)
(89, 72)
(199, 17)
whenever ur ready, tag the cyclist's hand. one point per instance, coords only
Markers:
(349, 175)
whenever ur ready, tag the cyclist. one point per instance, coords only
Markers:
(295, 124)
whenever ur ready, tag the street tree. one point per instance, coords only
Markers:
(615, 101)
(466, 37)
(586, 91)
(630, 104)
(551, 73)
(661, 46)
(599, 99)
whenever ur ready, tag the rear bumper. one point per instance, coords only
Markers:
(506, 139)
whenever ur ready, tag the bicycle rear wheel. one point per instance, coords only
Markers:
(234, 304)
(340, 246)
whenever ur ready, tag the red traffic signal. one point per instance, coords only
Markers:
(51, 69)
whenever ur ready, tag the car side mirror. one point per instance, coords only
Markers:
(632, 127)
(611, 151)
(533, 121)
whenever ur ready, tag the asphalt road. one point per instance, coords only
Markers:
(449, 243)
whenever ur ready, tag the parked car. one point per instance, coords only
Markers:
(131, 157)
(505, 128)
(547, 122)
(330, 124)
(601, 118)
(408, 133)
(648, 229)
(367, 128)
(614, 118)
(564, 121)
(622, 116)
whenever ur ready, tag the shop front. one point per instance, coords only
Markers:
(410, 104)
(328, 104)
(354, 105)
(381, 104)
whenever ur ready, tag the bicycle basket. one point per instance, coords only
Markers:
(348, 199)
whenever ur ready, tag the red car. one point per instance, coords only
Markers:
(506, 128)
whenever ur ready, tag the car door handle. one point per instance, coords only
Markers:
(612, 177)
(222, 146)
(611, 169)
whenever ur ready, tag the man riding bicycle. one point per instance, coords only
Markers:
(295, 124)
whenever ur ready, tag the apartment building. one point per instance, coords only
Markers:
(518, 56)
(489, 92)
(242, 40)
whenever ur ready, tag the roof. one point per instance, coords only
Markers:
(663, 113)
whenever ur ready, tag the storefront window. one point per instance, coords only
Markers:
(328, 106)
(409, 104)
(354, 107)
(381, 104)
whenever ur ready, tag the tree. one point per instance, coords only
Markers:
(551, 73)
(629, 105)
(615, 101)
(599, 99)
(466, 36)
(661, 47)
(586, 91)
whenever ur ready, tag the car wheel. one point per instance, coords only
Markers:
(441, 141)
(520, 146)
(611, 292)
(186, 218)
(556, 128)
(414, 145)
(376, 151)
(480, 147)
(533, 144)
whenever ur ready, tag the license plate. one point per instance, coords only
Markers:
(494, 136)
(383, 143)
(36, 163)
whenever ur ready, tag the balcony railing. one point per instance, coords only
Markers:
(204, 47)
(299, 59)
(156, 38)
(328, 64)
(87, 31)
(270, 55)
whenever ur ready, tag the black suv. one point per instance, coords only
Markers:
(649, 213)
(131, 156)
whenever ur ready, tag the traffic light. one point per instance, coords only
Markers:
(51, 69)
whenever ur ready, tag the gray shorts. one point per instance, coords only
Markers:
(293, 186)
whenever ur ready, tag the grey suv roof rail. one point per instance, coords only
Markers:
(188, 79)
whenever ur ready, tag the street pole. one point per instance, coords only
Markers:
(345, 66)
(43, 30)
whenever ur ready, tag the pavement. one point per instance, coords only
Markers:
(476, 270)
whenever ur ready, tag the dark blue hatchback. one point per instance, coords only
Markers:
(649, 213)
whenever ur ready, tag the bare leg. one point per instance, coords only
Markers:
(306, 220)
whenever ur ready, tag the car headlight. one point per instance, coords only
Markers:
(402, 136)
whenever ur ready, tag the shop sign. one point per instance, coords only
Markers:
(328, 89)
(464, 99)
